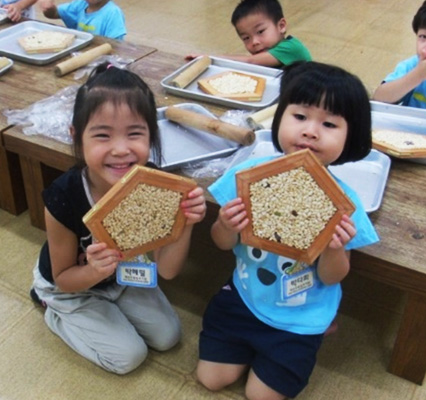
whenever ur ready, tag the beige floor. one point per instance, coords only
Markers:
(366, 37)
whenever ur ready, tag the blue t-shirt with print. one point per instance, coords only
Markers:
(262, 278)
(415, 97)
(107, 21)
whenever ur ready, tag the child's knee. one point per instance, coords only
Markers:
(210, 382)
(128, 360)
(167, 339)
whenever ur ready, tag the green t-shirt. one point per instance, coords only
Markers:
(290, 50)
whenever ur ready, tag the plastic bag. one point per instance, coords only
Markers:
(50, 117)
(208, 168)
(214, 168)
(236, 117)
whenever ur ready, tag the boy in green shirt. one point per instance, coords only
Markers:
(262, 27)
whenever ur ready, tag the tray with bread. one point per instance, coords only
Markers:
(399, 131)
(293, 204)
(141, 212)
(225, 82)
(40, 43)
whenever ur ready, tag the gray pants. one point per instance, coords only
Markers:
(111, 327)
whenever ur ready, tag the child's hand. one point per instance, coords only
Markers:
(194, 207)
(13, 12)
(345, 231)
(102, 259)
(233, 215)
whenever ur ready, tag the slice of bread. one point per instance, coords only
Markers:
(234, 85)
(46, 42)
(399, 143)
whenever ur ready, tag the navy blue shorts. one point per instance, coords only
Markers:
(233, 335)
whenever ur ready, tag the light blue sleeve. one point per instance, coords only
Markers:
(69, 12)
(114, 25)
(402, 69)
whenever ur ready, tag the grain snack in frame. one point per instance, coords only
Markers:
(141, 212)
(399, 143)
(234, 85)
(294, 205)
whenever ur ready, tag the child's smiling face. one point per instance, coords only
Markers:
(114, 140)
(259, 32)
(315, 128)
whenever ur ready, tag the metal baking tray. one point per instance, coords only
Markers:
(367, 177)
(219, 65)
(6, 67)
(10, 47)
(182, 145)
(400, 118)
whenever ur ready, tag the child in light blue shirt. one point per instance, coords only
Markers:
(407, 83)
(99, 17)
(269, 319)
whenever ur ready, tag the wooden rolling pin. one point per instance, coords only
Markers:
(192, 72)
(243, 136)
(263, 118)
(82, 59)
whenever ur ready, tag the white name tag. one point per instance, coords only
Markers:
(297, 283)
(141, 272)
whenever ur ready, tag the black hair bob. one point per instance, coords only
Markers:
(339, 92)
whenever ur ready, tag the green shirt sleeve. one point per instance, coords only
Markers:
(290, 50)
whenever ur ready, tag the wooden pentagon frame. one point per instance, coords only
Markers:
(138, 174)
(306, 159)
(205, 86)
(397, 151)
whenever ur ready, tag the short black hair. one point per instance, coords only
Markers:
(340, 92)
(271, 8)
(419, 20)
(105, 84)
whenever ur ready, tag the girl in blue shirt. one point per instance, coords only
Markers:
(253, 324)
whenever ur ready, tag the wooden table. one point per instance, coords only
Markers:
(39, 159)
(398, 259)
(23, 85)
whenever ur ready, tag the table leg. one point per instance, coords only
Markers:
(12, 192)
(409, 353)
(37, 176)
(34, 184)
